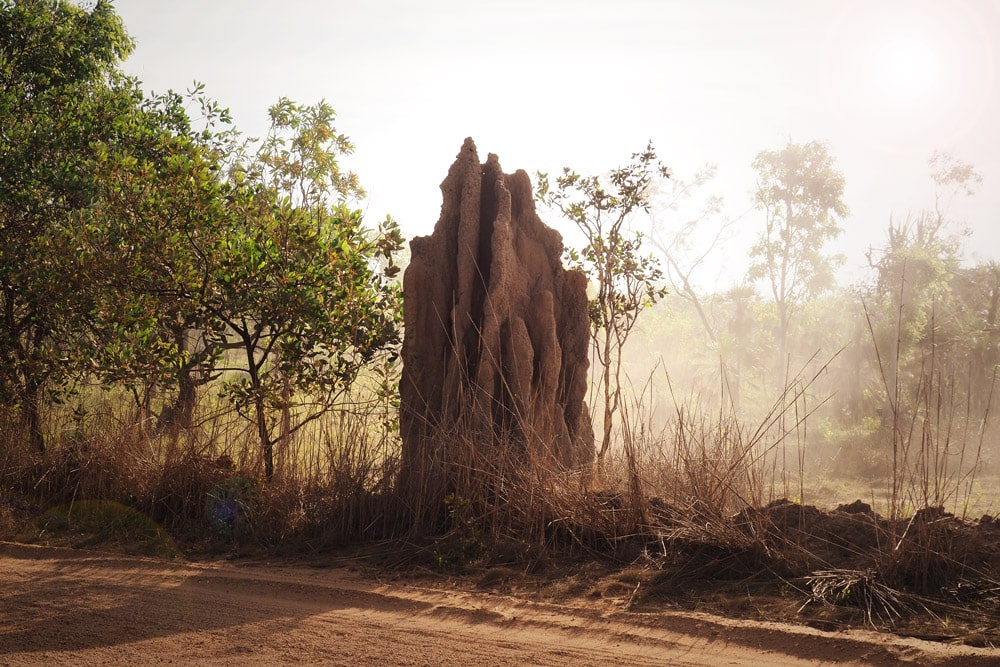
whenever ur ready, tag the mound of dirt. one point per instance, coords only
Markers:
(933, 574)
(496, 330)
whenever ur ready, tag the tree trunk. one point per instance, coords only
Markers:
(285, 425)
(266, 444)
(180, 414)
(606, 381)
(260, 410)
(32, 417)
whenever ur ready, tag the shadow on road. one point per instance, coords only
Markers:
(65, 600)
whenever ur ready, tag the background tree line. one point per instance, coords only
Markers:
(922, 326)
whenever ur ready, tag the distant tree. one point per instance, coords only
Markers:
(61, 95)
(914, 299)
(932, 323)
(977, 290)
(915, 271)
(688, 245)
(685, 247)
(952, 178)
(800, 194)
(627, 279)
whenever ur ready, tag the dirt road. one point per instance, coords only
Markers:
(66, 607)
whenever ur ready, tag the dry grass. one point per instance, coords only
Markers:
(698, 499)
(205, 485)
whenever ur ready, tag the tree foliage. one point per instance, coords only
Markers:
(800, 193)
(160, 207)
(923, 302)
(627, 279)
(302, 285)
(61, 95)
(245, 264)
(145, 252)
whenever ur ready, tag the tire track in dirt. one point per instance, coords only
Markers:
(61, 606)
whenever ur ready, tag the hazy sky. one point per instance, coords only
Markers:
(550, 83)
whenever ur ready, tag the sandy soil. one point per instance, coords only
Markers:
(68, 607)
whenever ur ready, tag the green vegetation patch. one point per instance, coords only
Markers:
(100, 524)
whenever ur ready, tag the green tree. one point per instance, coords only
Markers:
(627, 280)
(977, 291)
(302, 285)
(930, 320)
(800, 194)
(242, 262)
(143, 245)
(60, 91)
(916, 309)
(147, 253)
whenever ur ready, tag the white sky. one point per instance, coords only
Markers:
(553, 83)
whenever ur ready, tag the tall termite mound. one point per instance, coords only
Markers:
(496, 331)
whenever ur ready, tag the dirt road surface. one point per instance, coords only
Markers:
(68, 607)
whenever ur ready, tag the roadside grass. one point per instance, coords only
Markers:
(100, 524)
(699, 501)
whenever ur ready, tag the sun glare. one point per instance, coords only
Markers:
(907, 70)
(913, 68)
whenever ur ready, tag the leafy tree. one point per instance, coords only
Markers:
(145, 252)
(800, 193)
(302, 286)
(626, 279)
(914, 272)
(161, 204)
(977, 291)
(60, 92)
(930, 319)
(683, 248)
(244, 263)
(916, 307)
